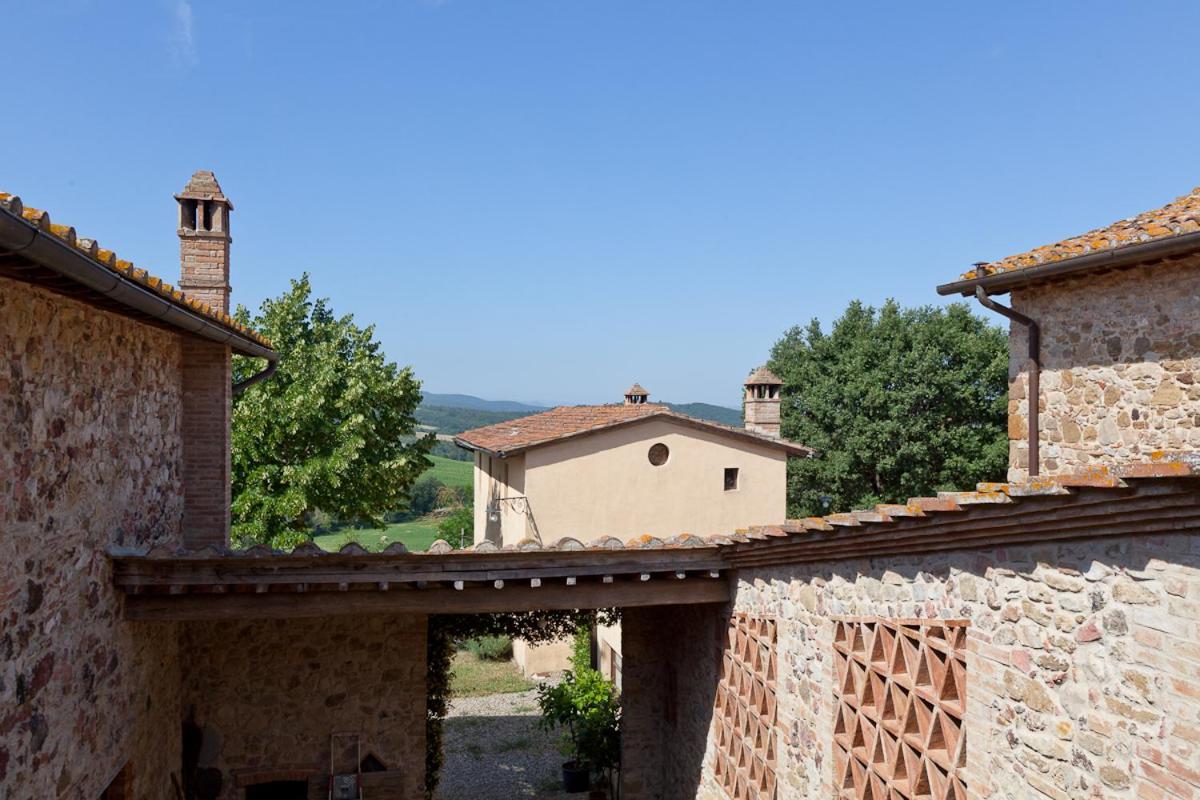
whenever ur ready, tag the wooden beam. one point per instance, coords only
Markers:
(277, 605)
(403, 568)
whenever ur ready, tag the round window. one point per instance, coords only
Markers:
(658, 454)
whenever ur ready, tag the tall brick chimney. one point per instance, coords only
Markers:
(761, 405)
(204, 240)
(206, 366)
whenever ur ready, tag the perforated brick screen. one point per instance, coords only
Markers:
(745, 718)
(900, 699)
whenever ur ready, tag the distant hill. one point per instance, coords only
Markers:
(478, 403)
(721, 414)
(451, 420)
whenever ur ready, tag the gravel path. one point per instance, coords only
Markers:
(494, 751)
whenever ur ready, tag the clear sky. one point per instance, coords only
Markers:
(545, 200)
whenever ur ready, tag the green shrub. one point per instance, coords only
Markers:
(458, 525)
(585, 706)
(581, 649)
(424, 495)
(490, 648)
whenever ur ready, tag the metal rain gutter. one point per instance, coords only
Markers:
(19, 236)
(1034, 367)
(1001, 282)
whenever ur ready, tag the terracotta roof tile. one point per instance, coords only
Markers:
(1178, 217)
(861, 523)
(763, 377)
(565, 421)
(107, 258)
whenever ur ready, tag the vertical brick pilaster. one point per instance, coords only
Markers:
(207, 398)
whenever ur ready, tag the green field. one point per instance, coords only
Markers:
(451, 472)
(416, 534)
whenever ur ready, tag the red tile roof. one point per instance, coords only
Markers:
(108, 259)
(1180, 216)
(566, 421)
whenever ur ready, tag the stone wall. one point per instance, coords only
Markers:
(672, 657)
(89, 456)
(1120, 368)
(266, 695)
(1083, 662)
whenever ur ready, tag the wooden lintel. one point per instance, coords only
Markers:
(474, 599)
(240, 570)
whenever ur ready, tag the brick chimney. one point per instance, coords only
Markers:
(204, 240)
(206, 366)
(635, 395)
(761, 405)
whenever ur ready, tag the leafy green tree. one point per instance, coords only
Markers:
(333, 429)
(425, 495)
(458, 524)
(898, 402)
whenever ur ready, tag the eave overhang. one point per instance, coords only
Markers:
(34, 254)
(210, 584)
(1167, 249)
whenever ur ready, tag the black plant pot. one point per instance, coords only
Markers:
(577, 777)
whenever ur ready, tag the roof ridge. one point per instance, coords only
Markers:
(561, 422)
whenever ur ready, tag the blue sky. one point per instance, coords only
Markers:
(548, 200)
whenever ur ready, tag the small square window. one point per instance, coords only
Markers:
(731, 479)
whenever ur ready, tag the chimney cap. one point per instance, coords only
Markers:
(203, 186)
(763, 377)
(637, 388)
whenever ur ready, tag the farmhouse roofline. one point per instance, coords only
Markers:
(566, 422)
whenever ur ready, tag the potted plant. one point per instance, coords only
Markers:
(585, 706)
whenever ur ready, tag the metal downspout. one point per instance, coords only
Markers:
(1034, 367)
(242, 386)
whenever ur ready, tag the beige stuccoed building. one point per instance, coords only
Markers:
(623, 471)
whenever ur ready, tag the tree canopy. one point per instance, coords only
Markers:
(333, 429)
(898, 402)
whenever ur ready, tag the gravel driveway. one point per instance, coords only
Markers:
(494, 751)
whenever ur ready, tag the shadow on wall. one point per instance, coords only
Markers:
(672, 661)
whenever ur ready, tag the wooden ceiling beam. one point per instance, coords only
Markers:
(468, 600)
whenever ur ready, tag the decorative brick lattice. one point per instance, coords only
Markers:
(744, 721)
(901, 695)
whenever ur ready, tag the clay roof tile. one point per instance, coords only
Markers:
(108, 259)
(1180, 216)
